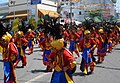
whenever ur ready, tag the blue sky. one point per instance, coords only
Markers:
(3, 1)
(118, 6)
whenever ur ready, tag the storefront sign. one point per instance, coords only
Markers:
(33, 2)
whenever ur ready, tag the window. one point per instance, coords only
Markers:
(80, 13)
(62, 3)
(66, 3)
(72, 14)
(69, 15)
(73, 4)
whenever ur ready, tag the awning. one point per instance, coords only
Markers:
(18, 14)
(49, 12)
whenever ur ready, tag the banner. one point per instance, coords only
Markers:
(33, 2)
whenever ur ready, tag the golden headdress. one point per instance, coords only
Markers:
(7, 37)
(86, 32)
(58, 44)
(101, 31)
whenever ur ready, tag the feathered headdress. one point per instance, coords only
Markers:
(16, 24)
(33, 23)
(7, 37)
(51, 27)
(2, 30)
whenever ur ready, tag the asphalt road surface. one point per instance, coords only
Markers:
(34, 72)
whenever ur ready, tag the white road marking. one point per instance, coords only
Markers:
(36, 78)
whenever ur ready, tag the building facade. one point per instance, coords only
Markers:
(72, 11)
(4, 10)
(81, 8)
(24, 9)
(68, 9)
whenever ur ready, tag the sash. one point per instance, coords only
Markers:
(7, 70)
(85, 54)
(62, 77)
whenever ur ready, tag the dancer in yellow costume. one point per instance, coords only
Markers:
(9, 53)
(63, 63)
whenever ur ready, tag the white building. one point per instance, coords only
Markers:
(4, 10)
(77, 10)
(81, 8)
(24, 9)
(36, 10)
(74, 12)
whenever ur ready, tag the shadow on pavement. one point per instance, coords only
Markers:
(78, 74)
(37, 71)
(78, 63)
(95, 55)
(1, 60)
(116, 48)
(36, 47)
(37, 50)
(108, 67)
(37, 59)
(19, 67)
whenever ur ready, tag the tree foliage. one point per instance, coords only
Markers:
(93, 14)
(114, 1)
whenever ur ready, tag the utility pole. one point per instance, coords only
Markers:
(13, 2)
(27, 10)
(58, 8)
(71, 11)
(105, 10)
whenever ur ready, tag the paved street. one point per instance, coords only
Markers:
(108, 72)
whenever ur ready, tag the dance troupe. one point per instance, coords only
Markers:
(58, 42)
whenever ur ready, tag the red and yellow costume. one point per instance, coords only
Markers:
(63, 62)
(73, 41)
(94, 38)
(110, 43)
(21, 44)
(87, 44)
(102, 46)
(41, 37)
(46, 53)
(30, 38)
(9, 54)
(66, 35)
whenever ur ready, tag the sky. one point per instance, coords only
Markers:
(118, 6)
(3, 1)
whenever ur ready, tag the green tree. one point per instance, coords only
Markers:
(114, 1)
(93, 14)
